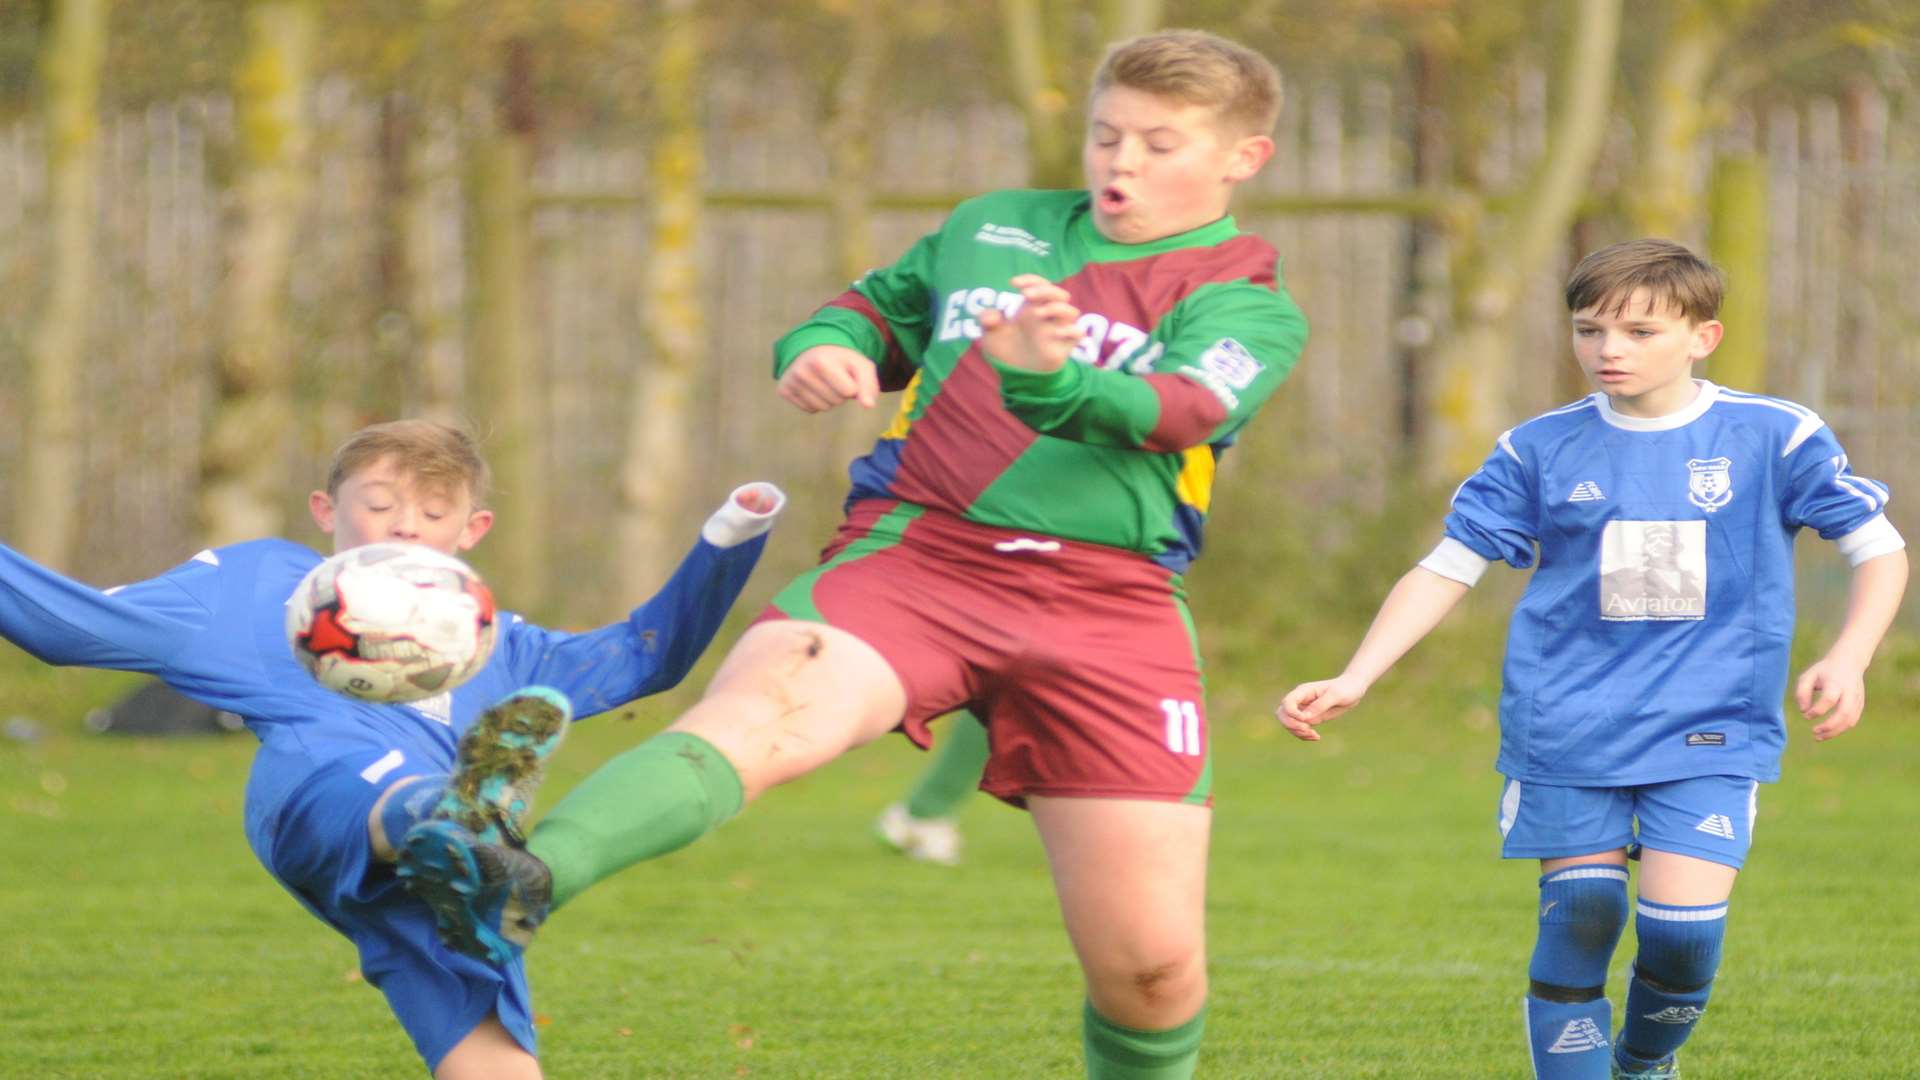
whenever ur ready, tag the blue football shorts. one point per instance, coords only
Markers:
(307, 822)
(1707, 817)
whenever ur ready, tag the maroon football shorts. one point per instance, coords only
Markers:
(1081, 658)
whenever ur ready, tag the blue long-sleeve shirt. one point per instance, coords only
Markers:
(213, 629)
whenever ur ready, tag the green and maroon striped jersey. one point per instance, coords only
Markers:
(1185, 339)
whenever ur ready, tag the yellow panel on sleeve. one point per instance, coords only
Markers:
(903, 419)
(1195, 486)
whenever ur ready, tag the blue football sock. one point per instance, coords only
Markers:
(1672, 976)
(1583, 909)
(409, 801)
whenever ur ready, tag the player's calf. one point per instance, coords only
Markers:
(1583, 909)
(1672, 976)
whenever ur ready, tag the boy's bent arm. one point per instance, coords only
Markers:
(1204, 372)
(885, 317)
(1834, 687)
(1411, 610)
(655, 647)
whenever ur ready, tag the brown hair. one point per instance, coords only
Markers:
(438, 456)
(1198, 68)
(1668, 271)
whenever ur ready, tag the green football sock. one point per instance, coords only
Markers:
(658, 797)
(1118, 1053)
(954, 773)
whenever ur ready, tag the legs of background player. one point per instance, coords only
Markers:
(790, 697)
(487, 1053)
(1583, 909)
(1131, 877)
(1681, 921)
(923, 826)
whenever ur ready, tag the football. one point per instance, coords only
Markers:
(391, 622)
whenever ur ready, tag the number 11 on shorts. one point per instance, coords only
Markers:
(1183, 726)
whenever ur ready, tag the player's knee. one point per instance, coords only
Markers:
(1678, 956)
(1150, 995)
(1583, 910)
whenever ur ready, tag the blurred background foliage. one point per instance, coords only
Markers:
(579, 226)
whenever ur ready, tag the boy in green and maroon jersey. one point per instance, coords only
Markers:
(1072, 365)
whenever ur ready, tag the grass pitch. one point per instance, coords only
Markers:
(1361, 922)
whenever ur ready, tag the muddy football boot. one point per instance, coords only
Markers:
(487, 899)
(500, 763)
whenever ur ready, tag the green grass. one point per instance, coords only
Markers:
(1361, 923)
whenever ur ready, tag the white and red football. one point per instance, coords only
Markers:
(391, 622)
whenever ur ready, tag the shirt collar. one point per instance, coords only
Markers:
(1687, 414)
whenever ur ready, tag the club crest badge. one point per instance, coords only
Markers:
(1709, 483)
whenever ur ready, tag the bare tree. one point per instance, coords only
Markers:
(675, 323)
(1473, 365)
(504, 384)
(243, 469)
(1049, 60)
(70, 65)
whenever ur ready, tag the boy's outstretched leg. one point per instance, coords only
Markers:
(790, 697)
(1583, 909)
(1131, 877)
(923, 827)
(464, 860)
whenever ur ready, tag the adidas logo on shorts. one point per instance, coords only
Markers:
(1716, 825)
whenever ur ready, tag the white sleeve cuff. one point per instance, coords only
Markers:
(733, 524)
(1870, 541)
(1456, 561)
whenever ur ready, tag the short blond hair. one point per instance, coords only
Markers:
(438, 456)
(1671, 274)
(1198, 68)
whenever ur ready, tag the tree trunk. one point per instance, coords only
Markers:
(1040, 88)
(505, 386)
(389, 392)
(1474, 365)
(45, 518)
(1740, 221)
(1048, 87)
(849, 144)
(1123, 19)
(656, 466)
(243, 469)
(433, 321)
(1664, 198)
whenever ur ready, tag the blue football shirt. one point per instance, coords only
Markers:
(213, 629)
(1651, 642)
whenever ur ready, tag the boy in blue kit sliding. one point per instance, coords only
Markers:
(338, 782)
(1647, 660)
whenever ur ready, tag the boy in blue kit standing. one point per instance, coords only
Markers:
(337, 782)
(1646, 662)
